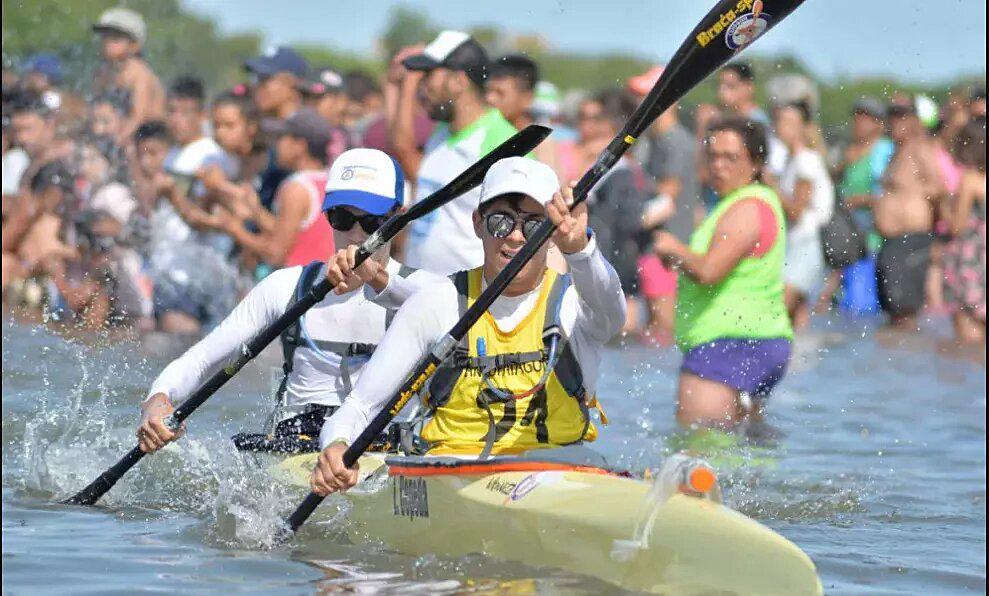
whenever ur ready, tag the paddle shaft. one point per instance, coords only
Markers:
(698, 56)
(519, 144)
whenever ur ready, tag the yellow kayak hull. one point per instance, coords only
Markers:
(602, 525)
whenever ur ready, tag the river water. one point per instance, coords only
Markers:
(878, 473)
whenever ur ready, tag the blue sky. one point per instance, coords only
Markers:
(912, 40)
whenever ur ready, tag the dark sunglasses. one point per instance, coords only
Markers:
(501, 224)
(342, 220)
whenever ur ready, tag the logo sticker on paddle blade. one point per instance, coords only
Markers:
(746, 28)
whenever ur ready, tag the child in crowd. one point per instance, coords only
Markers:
(122, 35)
(108, 113)
(150, 150)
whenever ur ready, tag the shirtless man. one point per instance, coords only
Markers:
(905, 218)
(122, 35)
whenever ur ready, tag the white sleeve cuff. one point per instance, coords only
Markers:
(585, 253)
(383, 295)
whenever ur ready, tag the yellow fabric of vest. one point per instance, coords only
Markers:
(549, 418)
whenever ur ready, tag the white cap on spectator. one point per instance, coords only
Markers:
(454, 50)
(123, 20)
(520, 175)
(116, 200)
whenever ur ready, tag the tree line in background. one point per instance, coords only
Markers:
(184, 42)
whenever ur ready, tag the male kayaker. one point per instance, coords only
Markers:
(326, 350)
(527, 371)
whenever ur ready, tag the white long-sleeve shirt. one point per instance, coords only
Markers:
(591, 314)
(317, 377)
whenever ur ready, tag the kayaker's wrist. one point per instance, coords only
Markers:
(337, 441)
(379, 282)
(155, 402)
(584, 253)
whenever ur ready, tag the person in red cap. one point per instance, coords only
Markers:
(669, 158)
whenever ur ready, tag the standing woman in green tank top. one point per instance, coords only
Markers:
(731, 322)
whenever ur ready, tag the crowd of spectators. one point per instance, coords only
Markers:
(158, 204)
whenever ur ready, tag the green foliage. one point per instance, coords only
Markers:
(342, 62)
(179, 42)
(406, 27)
(569, 71)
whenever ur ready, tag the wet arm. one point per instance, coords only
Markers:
(194, 215)
(961, 206)
(401, 133)
(16, 226)
(141, 91)
(736, 236)
(864, 201)
(258, 309)
(795, 205)
(657, 210)
(241, 199)
(934, 187)
(399, 289)
(273, 246)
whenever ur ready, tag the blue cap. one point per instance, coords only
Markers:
(46, 64)
(367, 179)
(281, 59)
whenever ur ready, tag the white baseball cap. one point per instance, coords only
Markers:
(123, 20)
(520, 175)
(116, 200)
(367, 179)
(455, 50)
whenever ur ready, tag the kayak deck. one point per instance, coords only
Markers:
(585, 520)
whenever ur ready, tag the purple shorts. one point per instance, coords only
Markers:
(753, 366)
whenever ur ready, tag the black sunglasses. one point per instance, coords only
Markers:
(342, 220)
(501, 224)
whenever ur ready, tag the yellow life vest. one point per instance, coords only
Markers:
(495, 396)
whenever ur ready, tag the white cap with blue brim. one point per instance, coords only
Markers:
(367, 179)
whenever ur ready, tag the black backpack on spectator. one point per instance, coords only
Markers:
(841, 240)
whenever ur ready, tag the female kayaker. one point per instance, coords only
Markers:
(526, 373)
(731, 322)
(325, 352)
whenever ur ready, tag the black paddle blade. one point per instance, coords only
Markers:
(301, 514)
(287, 532)
(99, 487)
(91, 493)
(729, 27)
(521, 143)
